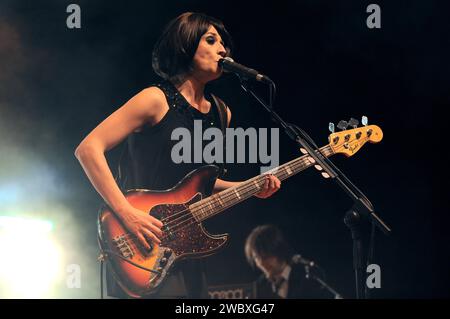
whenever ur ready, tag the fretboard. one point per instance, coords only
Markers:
(219, 202)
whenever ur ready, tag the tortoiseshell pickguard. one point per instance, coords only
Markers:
(185, 236)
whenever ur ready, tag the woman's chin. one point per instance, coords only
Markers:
(214, 76)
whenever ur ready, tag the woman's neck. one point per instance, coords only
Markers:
(193, 91)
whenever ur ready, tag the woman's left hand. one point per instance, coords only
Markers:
(271, 185)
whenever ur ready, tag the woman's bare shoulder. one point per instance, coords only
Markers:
(151, 97)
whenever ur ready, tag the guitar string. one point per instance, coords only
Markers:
(190, 216)
(295, 164)
(230, 192)
(245, 193)
(298, 162)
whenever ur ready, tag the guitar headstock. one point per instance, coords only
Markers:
(348, 142)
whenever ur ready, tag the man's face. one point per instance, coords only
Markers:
(271, 266)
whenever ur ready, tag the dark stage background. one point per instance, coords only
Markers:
(57, 84)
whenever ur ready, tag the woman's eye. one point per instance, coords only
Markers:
(210, 40)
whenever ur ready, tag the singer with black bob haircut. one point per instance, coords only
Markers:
(175, 49)
(186, 57)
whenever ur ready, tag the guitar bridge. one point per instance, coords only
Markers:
(123, 246)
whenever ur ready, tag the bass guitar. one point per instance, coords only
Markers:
(183, 208)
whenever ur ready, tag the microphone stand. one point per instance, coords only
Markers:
(322, 283)
(361, 205)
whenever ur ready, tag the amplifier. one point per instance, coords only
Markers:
(233, 291)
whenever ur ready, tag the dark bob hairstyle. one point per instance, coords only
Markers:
(174, 50)
(267, 241)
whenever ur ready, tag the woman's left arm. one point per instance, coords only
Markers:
(271, 185)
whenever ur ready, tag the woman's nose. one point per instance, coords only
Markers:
(222, 52)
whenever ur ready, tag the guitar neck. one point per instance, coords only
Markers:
(219, 202)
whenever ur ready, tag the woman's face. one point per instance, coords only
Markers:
(210, 49)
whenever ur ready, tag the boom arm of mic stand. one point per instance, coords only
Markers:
(323, 284)
(362, 204)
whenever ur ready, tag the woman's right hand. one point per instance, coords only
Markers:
(144, 227)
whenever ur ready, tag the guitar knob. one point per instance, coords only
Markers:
(167, 253)
(163, 261)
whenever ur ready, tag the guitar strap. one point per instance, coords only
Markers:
(222, 110)
(223, 117)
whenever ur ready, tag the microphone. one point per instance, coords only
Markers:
(228, 64)
(298, 259)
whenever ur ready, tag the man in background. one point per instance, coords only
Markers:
(285, 274)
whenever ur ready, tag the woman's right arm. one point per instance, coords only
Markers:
(147, 107)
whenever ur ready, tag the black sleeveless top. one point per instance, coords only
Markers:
(149, 166)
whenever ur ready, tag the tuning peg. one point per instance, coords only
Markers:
(331, 127)
(364, 120)
(342, 125)
(353, 123)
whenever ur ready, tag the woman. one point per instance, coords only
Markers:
(186, 57)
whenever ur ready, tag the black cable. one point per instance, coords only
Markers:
(132, 263)
(102, 256)
(272, 94)
(101, 278)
